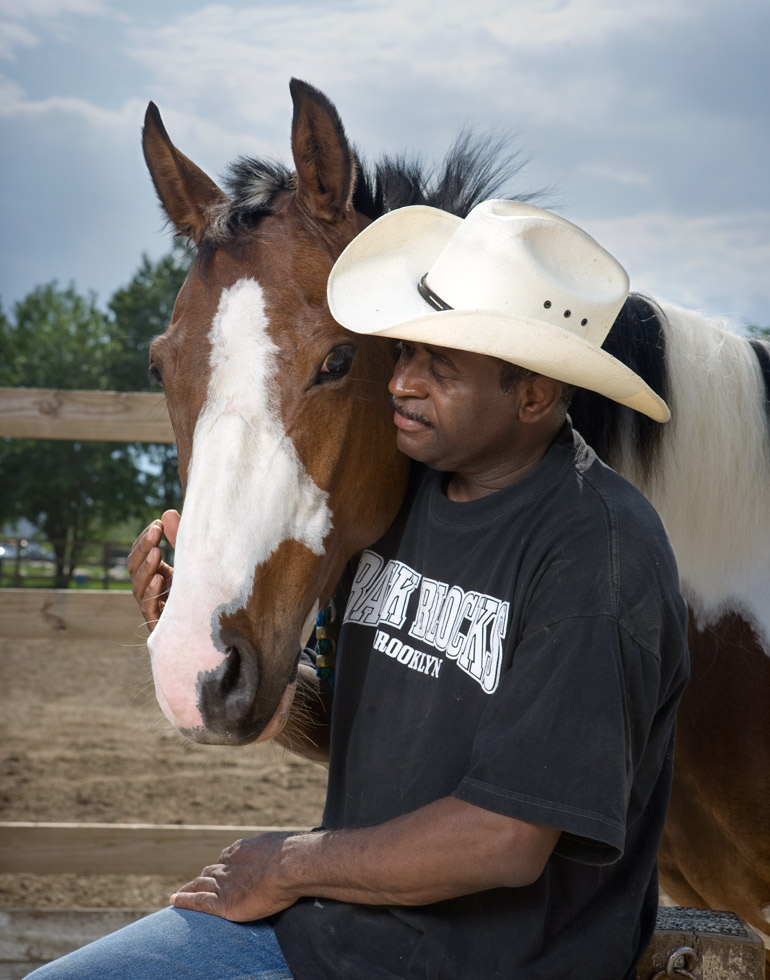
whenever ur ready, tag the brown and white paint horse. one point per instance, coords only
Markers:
(289, 466)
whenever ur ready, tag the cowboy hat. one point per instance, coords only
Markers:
(510, 280)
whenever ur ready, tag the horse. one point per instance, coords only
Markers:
(289, 467)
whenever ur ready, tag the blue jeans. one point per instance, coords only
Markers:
(176, 945)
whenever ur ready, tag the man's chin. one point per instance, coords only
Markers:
(415, 445)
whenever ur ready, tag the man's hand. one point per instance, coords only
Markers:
(245, 885)
(150, 575)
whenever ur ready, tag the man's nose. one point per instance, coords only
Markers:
(408, 379)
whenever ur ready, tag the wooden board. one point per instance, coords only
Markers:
(97, 848)
(48, 413)
(721, 947)
(94, 614)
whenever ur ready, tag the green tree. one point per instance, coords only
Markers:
(141, 311)
(69, 490)
(56, 338)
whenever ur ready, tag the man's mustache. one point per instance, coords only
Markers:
(414, 416)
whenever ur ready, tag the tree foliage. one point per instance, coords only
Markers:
(141, 311)
(56, 338)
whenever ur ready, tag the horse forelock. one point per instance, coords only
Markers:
(252, 185)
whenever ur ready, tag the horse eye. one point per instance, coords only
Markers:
(155, 373)
(336, 364)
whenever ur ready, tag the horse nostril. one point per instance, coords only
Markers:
(232, 674)
(228, 692)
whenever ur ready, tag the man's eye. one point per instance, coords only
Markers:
(336, 364)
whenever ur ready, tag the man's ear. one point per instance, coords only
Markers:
(539, 398)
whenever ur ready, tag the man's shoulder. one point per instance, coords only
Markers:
(610, 490)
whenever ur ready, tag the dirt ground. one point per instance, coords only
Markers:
(82, 739)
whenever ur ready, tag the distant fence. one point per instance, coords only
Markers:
(32, 936)
(29, 614)
(112, 416)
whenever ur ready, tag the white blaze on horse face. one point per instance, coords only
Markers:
(247, 492)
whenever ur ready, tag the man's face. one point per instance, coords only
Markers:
(450, 412)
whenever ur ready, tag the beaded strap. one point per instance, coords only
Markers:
(326, 631)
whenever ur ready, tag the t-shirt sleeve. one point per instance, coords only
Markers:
(559, 742)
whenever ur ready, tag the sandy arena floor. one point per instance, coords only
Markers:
(82, 739)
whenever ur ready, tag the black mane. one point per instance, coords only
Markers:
(762, 353)
(637, 339)
(475, 168)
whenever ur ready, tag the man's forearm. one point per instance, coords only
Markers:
(443, 850)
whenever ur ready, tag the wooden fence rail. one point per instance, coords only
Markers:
(116, 849)
(113, 416)
(52, 413)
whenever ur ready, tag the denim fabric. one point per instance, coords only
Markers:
(176, 945)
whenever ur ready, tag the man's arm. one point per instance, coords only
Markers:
(443, 850)
(307, 731)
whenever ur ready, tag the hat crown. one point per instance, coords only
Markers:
(509, 281)
(514, 258)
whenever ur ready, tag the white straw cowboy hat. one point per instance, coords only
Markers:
(511, 280)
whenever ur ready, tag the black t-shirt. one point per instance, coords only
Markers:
(524, 652)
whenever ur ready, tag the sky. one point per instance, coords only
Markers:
(646, 120)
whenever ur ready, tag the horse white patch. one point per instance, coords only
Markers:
(247, 492)
(713, 486)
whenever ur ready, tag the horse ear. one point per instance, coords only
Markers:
(185, 192)
(325, 163)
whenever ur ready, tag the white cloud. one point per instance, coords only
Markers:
(37, 9)
(496, 49)
(618, 175)
(542, 23)
(44, 15)
(14, 36)
(601, 91)
(716, 263)
(14, 104)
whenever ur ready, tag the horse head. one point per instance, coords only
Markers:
(281, 421)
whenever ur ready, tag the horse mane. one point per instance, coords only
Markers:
(762, 352)
(707, 471)
(476, 167)
(638, 339)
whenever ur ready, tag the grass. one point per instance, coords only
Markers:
(40, 575)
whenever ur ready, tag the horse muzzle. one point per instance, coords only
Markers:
(221, 698)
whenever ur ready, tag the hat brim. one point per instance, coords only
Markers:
(373, 290)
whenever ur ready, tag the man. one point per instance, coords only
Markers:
(510, 661)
